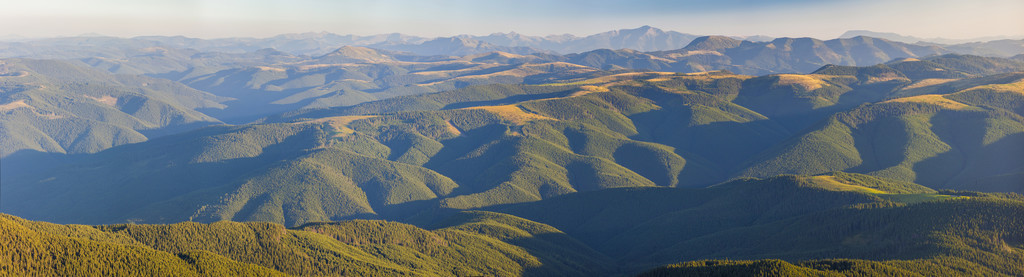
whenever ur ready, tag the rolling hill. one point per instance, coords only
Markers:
(781, 55)
(472, 243)
(351, 75)
(63, 107)
(789, 55)
(955, 138)
(844, 157)
(488, 145)
(457, 46)
(644, 38)
(290, 72)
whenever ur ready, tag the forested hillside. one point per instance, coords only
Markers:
(63, 107)
(488, 145)
(838, 224)
(475, 243)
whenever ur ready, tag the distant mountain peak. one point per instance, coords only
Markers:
(643, 30)
(459, 46)
(888, 36)
(348, 54)
(269, 51)
(454, 40)
(912, 39)
(712, 43)
(494, 57)
(347, 49)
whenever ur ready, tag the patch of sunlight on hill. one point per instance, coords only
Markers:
(584, 90)
(512, 113)
(340, 123)
(933, 99)
(805, 82)
(105, 100)
(833, 184)
(927, 83)
(1014, 87)
(14, 105)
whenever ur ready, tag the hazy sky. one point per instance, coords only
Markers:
(263, 18)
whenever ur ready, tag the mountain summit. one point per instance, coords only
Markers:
(713, 43)
(459, 46)
(354, 54)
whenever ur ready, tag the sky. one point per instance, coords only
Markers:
(824, 19)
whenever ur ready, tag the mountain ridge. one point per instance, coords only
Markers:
(644, 38)
(498, 144)
(913, 39)
(843, 157)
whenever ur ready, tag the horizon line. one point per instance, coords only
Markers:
(14, 36)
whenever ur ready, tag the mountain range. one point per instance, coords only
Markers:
(635, 152)
(931, 123)
(268, 81)
(913, 39)
(644, 39)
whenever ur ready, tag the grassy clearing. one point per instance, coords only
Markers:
(805, 82)
(512, 113)
(1014, 87)
(933, 99)
(105, 100)
(340, 123)
(831, 183)
(14, 105)
(928, 82)
(891, 191)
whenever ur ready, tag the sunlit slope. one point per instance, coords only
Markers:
(37, 248)
(476, 243)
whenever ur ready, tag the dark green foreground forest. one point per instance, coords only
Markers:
(828, 225)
